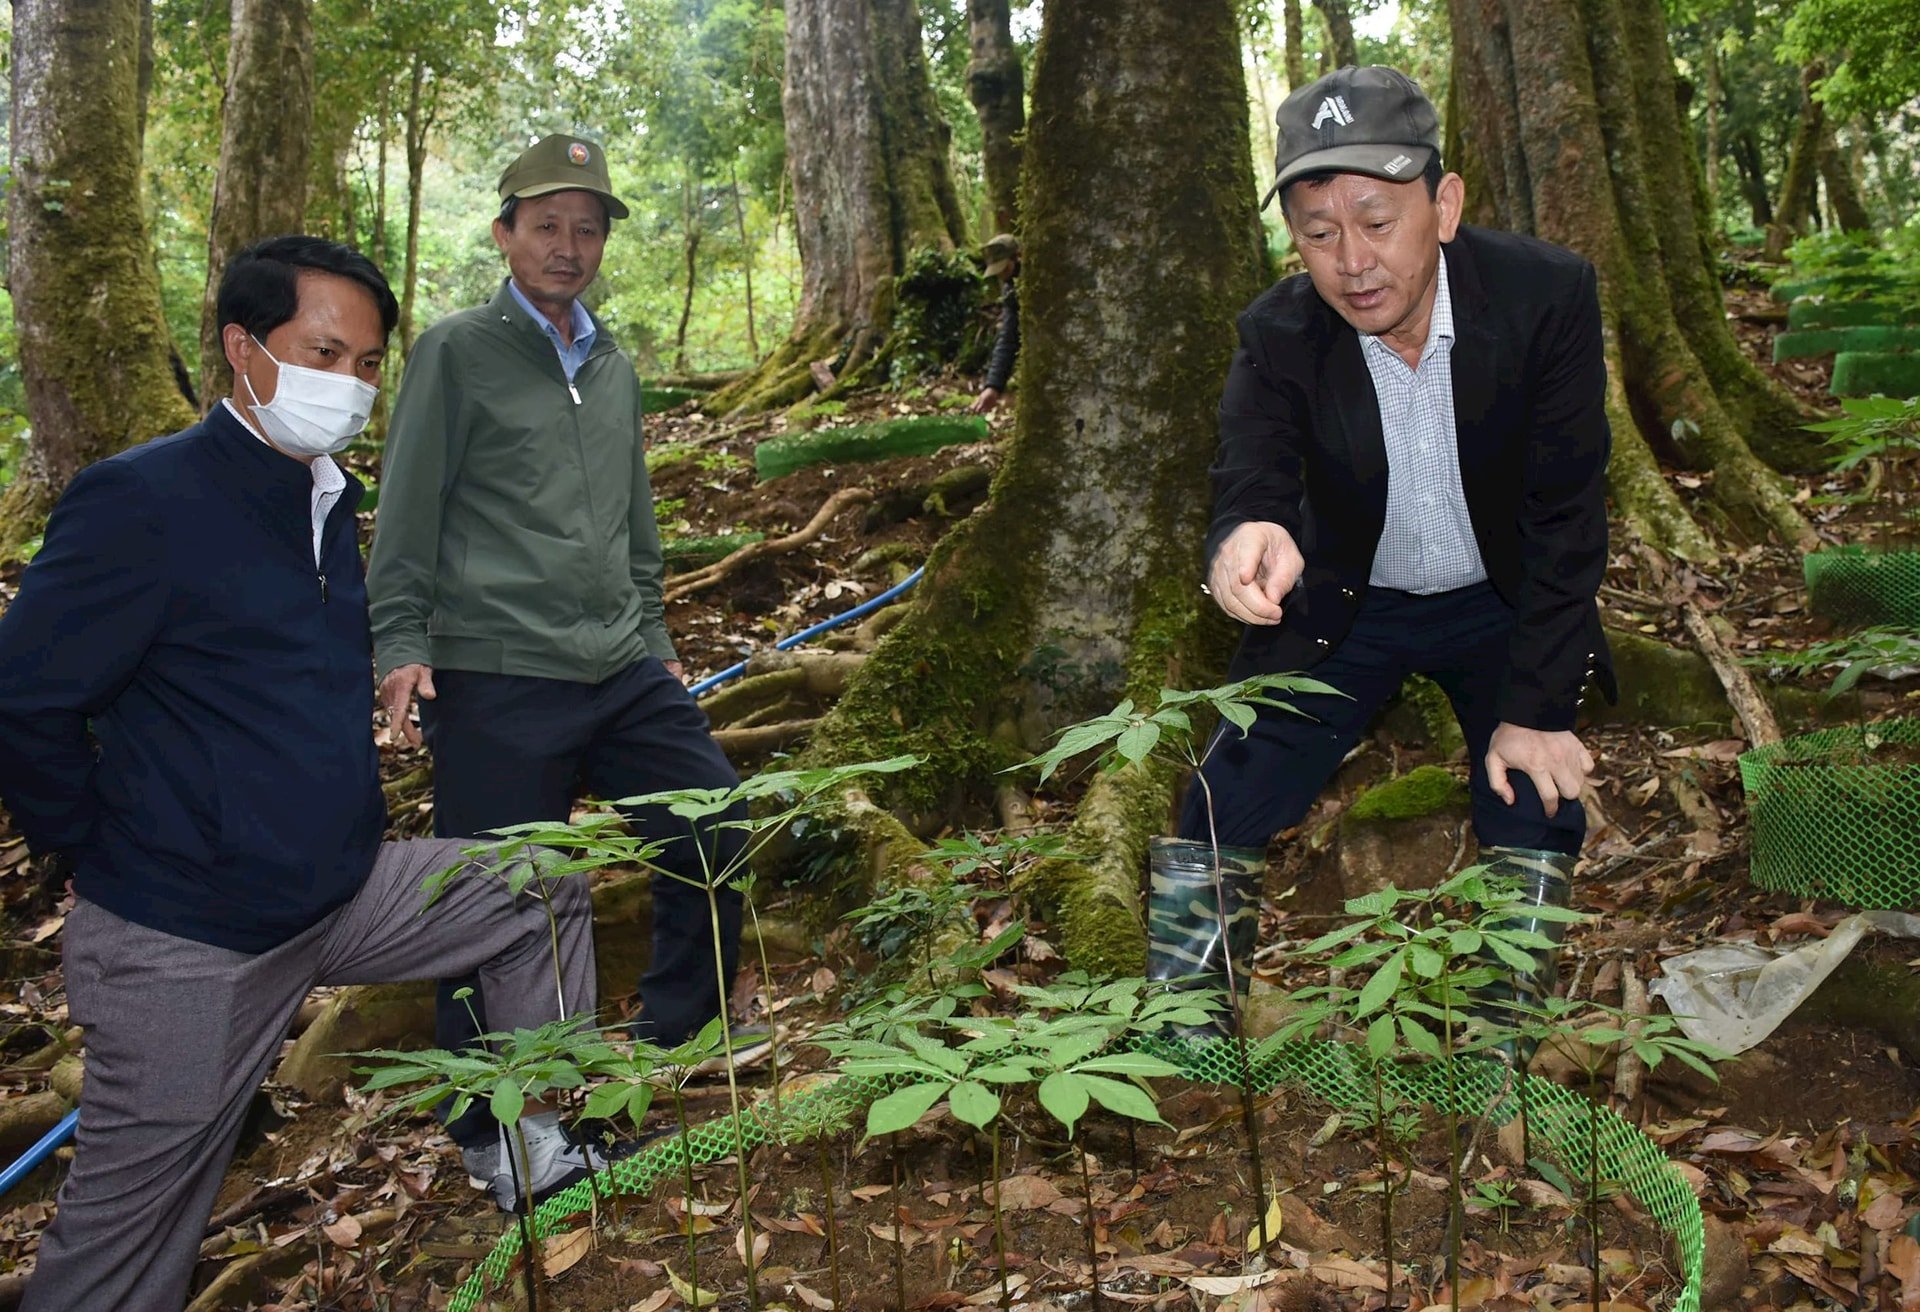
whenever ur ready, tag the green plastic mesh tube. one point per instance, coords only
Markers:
(1559, 1120)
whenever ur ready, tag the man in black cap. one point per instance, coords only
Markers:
(1410, 480)
(515, 588)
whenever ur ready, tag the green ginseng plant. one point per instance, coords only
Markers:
(517, 858)
(770, 802)
(509, 1069)
(927, 1071)
(1591, 1036)
(632, 1078)
(1126, 1009)
(1171, 735)
(819, 1119)
(1079, 1066)
(1432, 954)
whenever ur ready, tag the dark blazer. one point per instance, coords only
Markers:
(186, 702)
(1301, 446)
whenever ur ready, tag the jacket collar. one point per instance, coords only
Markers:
(260, 476)
(504, 310)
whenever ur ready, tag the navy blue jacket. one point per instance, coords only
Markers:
(186, 704)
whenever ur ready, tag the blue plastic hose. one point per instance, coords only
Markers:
(60, 1133)
(39, 1153)
(867, 607)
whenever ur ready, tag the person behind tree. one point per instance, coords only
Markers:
(1410, 480)
(186, 727)
(1003, 262)
(515, 582)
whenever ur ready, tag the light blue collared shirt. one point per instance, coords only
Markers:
(571, 357)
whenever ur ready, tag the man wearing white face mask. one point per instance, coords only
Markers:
(186, 724)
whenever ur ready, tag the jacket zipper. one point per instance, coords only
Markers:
(323, 589)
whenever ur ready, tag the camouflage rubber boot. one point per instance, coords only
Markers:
(1187, 944)
(1544, 879)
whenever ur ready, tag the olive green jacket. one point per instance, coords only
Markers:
(516, 531)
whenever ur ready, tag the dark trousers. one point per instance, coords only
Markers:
(1267, 781)
(508, 749)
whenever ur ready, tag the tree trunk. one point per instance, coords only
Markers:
(690, 249)
(1753, 178)
(1843, 190)
(1296, 44)
(1795, 209)
(1710, 37)
(995, 85)
(1340, 51)
(867, 149)
(93, 344)
(419, 123)
(746, 258)
(1534, 127)
(1077, 583)
(266, 124)
(383, 131)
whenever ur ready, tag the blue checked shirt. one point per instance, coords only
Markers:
(1427, 545)
(571, 356)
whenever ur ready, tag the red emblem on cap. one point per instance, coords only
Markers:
(577, 153)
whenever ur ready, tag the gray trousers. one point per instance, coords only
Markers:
(180, 1034)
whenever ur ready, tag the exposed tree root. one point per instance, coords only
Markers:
(763, 738)
(1712, 636)
(774, 677)
(1094, 903)
(693, 581)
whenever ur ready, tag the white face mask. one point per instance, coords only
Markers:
(313, 412)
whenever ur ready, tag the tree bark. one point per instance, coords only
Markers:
(1340, 51)
(266, 124)
(1077, 583)
(1795, 208)
(996, 86)
(746, 258)
(1296, 44)
(867, 150)
(1710, 38)
(93, 344)
(1753, 179)
(1843, 189)
(690, 250)
(419, 124)
(1535, 129)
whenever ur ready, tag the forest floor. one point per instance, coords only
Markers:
(1802, 1156)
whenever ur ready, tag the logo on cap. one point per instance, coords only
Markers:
(1335, 108)
(1398, 162)
(577, 153)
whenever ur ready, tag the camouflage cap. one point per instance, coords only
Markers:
(561, 163)
(1000, 253)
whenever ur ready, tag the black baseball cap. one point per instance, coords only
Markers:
(1371, 120)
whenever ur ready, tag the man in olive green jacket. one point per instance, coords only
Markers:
(515, 587)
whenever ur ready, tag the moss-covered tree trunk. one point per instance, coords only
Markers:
(86, 300)
(1798, 185)
(997, 87)
(867, 151)
(1843, 188)
(1296, 54)
(1079, 582)
(422, 102)
(266, 122)
(1339, 51)
(1613, 177)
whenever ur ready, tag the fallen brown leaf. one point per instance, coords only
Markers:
(345, 1232)
(563, 1252)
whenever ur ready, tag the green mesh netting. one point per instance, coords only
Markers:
(1836, 813)
(1855, 586)
(1559, 1120)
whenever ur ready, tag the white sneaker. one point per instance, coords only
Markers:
(554, 1161)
